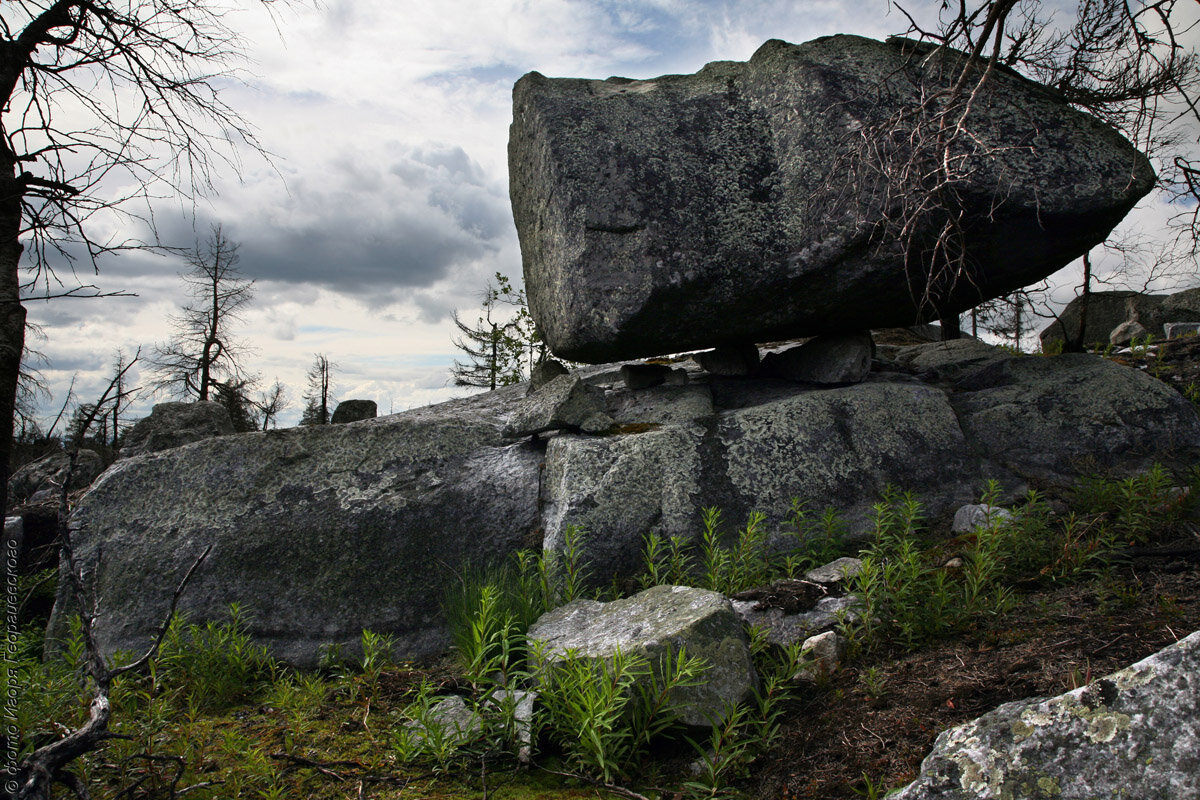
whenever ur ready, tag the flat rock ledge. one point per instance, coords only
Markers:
(322, 531)
(1135, 733)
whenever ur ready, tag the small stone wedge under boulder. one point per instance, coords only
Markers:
(1135, 733)
(656, 624)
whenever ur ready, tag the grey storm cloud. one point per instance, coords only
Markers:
(378, 234)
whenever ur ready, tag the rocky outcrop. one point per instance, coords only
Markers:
(692, 211)
(1043, 418)
(322, 531)
(319, 531)
(1135, 733)
(656, 624)
(42, 480)
(1108, 311)
(174, 424)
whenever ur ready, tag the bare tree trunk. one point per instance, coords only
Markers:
(495, 367)
(951, 328)
(1075, 343)
(12, 313)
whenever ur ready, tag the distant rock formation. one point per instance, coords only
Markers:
(690, 211)
(42, 480)
(1108, 311)
(322, 531)
(353, 411)
(174, 424)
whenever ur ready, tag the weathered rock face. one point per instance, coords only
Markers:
(1135, 733)
(692, 211)
(174, 424)
(318, 531)
(322, 531)
(656, 624)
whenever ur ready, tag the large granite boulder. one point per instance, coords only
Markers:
(322, 531)
(318, 531)
(692, 211)
(174, 424)
(1135, 733)
(656, 624)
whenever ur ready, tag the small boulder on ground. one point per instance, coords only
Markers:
(657, 624)
(839, 570)
(977, 515)
(821, 656)
(1126, 332)
(783, 629)
(353, 411)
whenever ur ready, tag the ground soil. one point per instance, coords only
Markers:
(877, 719)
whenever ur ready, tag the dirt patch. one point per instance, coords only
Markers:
(877, 719)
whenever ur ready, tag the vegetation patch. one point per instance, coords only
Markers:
(1036, 603)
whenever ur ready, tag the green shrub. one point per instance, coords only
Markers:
(211, 666)
(909, 598)
(489, 610)
(603, 713)
(1139, 508)
(748, 558)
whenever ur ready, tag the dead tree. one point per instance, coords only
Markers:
(49, 764)
(1121, 61)
(203, 353)
(105, 105)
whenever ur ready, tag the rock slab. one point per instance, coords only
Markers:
(322, 531)
(1135, 733)
(318, 532)
(693, 211)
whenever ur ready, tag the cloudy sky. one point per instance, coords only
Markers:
(386, 203)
